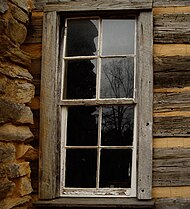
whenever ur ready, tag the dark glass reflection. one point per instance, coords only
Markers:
(117, 78)
(82, 126)
(117, 125)
(80, 37)
(115, 168)
(81, 79)
(118, 36)
(81, 168)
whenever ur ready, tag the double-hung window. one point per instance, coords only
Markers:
(99, 111)
(96, 100)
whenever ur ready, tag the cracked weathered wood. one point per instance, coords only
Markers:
(171, 167)
(171, 71)
(162, 3)
(172, 28)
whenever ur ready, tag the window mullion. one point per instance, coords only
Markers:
(99, 148)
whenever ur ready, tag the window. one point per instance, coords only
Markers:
(96, 100)
(99, 107)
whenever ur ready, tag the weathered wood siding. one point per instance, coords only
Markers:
(171, 167)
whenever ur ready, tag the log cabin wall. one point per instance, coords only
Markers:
(171, 141)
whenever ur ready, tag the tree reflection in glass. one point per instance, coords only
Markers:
(117, 125)
(117, 78)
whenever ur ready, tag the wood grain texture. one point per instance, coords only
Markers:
(48, 110)
(172, 28)
(172, 203)
(171, 101)
(163, 3)
(82, 202)
(177, 126)
(145, 88)
(171, 167)
(83, 5)
(171, 71)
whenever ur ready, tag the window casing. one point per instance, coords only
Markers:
(54, 108)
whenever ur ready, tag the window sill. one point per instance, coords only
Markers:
(94, 203)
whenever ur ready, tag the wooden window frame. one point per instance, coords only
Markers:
(50, 110)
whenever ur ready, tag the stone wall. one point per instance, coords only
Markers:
(16, 117)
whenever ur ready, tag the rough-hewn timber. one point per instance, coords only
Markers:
(163, 3)
(172, 28)
(171, 71)
(171, 167)
(177, 126)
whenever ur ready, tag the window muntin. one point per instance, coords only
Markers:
(97, 71)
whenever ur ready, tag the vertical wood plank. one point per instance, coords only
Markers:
(48, 109)
(145, 109)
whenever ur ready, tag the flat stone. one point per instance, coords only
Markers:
(3, 6)
(16, 31)
(18, 14)
(3, 170)
(16, 90)
(16, 170)
(6, 187)
(18, 56)
(18, 113)
(24, 186)
(24, 4)
(12, 133)
(7, 152)
(12, 52)
(15, 71)
(13, 202)
(26, 152)
(3, 82)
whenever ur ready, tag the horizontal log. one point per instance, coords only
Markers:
(171, 167)
(162, 3)
(171, 101)
(171, 153)
(172, 203)
(178, 126)
(171, 71)
(172, 28)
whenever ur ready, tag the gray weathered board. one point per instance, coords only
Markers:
(171, 71)
(172, 203)
(172, 28)
(171, 167)
(160, 3)
(177, 126)
(171, 101)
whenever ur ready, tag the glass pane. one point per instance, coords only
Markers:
(81, 168)
(117, 125)
(80, 79)
(115, 168)
(118, 36)
(81, 36)
(117, 78)
(82, 126)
